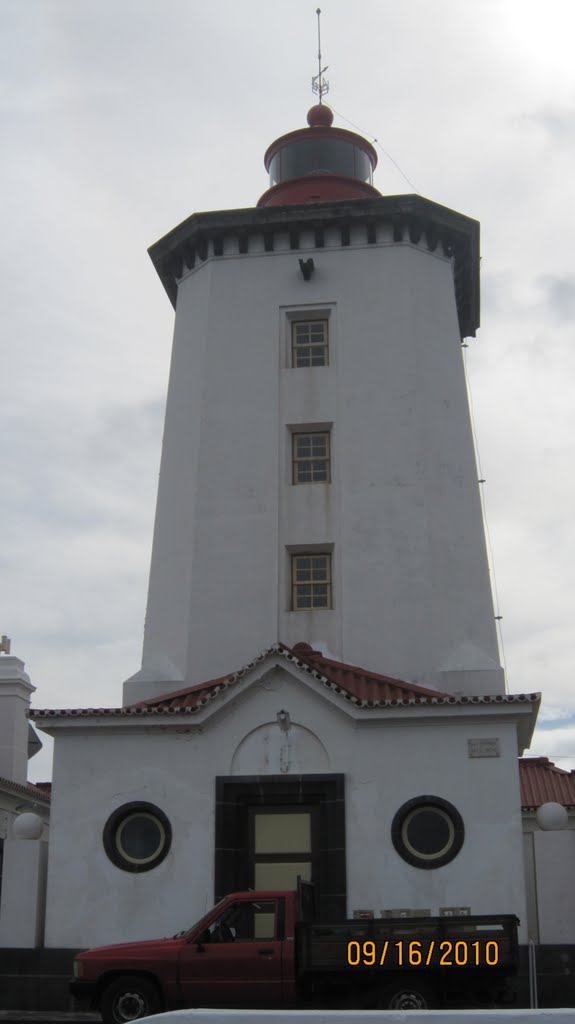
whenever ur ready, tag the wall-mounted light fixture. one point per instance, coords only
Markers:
(28, 826)
(551, 817)
(283, 720)
(307, 268)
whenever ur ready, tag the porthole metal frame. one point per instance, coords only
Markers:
(112, 835)
(402, 819)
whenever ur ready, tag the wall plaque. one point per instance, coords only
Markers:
(483, 748)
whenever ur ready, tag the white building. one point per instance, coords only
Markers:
(24, 813)
(317, 486)
(318, 510)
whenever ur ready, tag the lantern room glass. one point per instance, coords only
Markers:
(320, 156)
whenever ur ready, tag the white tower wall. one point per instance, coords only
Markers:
(402, 515)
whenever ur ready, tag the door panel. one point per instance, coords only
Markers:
(239, 963)
(281, 875)
(281, 846)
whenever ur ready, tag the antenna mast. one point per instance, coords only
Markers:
(318, 82)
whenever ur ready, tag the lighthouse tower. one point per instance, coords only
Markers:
(318, 481)
(320, 695)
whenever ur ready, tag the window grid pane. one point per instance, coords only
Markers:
(311, 581)
(309, 343)
(311, 458)
(282, 875)
(277, 832)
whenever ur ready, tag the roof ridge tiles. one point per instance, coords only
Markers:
(361, 687)
(28, 787)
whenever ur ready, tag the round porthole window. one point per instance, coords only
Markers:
(427, 832)
(137, 836)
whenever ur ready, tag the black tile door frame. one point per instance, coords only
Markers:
(237, 795)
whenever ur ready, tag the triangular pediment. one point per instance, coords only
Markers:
(349, 684)
(350, 689)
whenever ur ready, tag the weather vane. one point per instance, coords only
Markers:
(318, 83)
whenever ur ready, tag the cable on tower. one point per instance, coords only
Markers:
(379, 146)
(491, 558)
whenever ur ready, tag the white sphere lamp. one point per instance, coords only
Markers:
(28, 826)
(551, 817)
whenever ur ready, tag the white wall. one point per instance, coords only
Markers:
(24, 862)
(411, 587)
(386, 762)
(23, 893)
(554, 863)
(15, 691)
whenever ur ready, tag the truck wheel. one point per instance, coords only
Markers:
(407, 996)
(129, 998)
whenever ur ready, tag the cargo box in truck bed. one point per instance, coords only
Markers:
(406, 943)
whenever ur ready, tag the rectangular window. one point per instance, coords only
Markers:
(311, 458)
(283, 842)
(309, 343)
(277, 832)
(311, 581)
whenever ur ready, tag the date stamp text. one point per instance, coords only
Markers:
(431, 953)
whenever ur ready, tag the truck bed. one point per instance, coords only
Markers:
(426, 943)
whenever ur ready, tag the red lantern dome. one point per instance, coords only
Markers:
(319, 164)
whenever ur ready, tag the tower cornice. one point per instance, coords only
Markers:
(412, 219)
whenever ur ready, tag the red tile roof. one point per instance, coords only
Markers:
(542, 782)
(41, 791)
(360, 687)
(44, 787)
(368, 688)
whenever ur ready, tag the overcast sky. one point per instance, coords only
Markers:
(120, 118)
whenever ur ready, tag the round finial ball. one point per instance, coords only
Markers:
(551, 817)
(28, 826)
(320, 116)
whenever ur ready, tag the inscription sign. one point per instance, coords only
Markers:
(483, 748)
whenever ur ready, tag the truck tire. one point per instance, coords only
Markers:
(407, 995)
(128, 998)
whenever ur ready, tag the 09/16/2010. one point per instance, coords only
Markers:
(423, 954)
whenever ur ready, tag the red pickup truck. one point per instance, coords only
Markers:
(263, 949)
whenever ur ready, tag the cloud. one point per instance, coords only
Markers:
(118, 121)
(553, 718)
(559, 296)
(557, 744)
(557, 124)
(82, 470)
